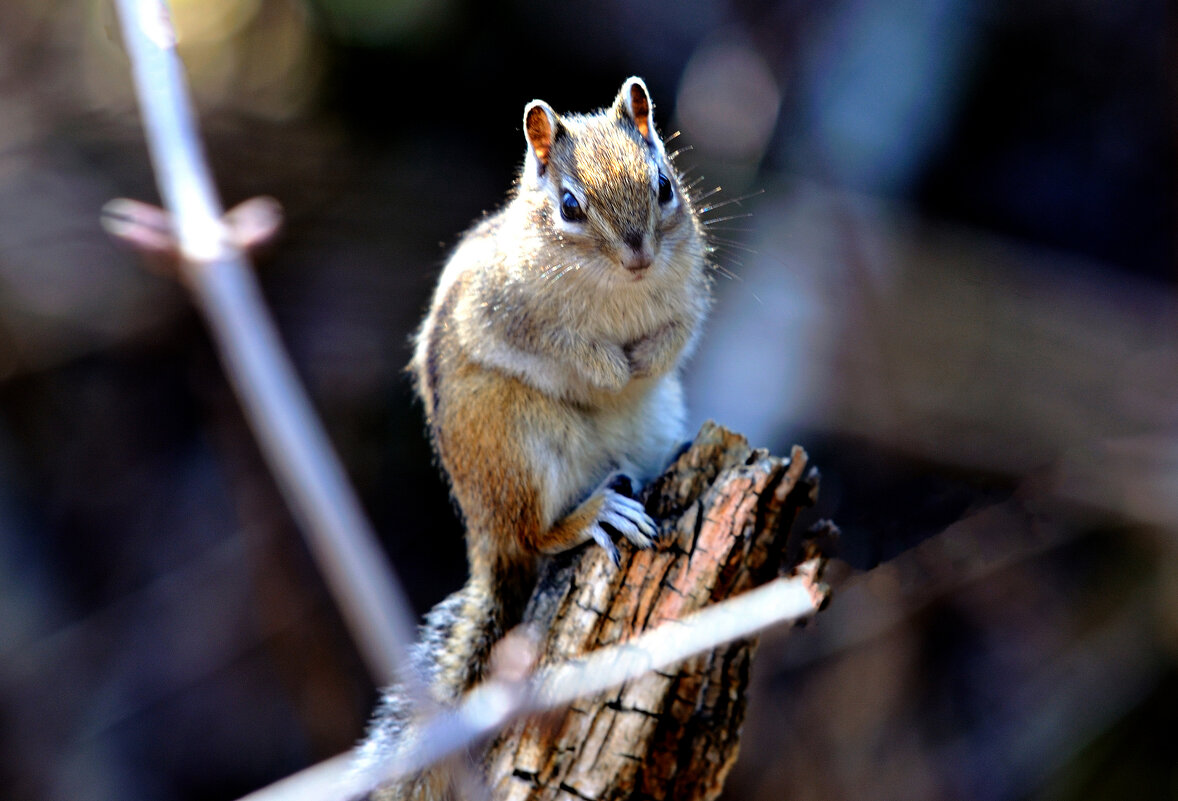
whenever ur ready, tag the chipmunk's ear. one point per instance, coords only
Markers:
(540, 127)
(633, 102)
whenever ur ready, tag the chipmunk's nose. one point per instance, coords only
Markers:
(636, 257)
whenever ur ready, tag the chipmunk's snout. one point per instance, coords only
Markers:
(637, 255)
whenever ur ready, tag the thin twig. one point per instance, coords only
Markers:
(215, 270)
(491, 706)
(488, 708)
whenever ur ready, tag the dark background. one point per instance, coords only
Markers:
(955, 288)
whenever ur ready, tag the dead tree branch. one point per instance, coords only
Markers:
(207, 248)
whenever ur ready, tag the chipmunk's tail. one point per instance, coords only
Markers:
(454, 648)
(452, 655)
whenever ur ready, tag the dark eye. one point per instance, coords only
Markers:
(665, 192)
(570, 208)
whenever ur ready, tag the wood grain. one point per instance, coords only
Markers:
(726, 513)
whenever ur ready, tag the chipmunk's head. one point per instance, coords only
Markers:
(607, 189)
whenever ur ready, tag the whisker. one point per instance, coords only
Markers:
(726, 219)
(732, 243)
(558, 271)
(727, 256)
(724, 271)
(570, 268)
(706, 195)
(730, 200)
(674, 154)
(672, 137)
(730, 251)
(730, 229)
(755, 193)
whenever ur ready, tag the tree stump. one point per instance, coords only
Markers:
(726, 512)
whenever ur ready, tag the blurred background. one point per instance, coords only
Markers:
(947, 271)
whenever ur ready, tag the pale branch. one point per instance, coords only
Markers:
(487, 709)
(495, 704)
(211, 264)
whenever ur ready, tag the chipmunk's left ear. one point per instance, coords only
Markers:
(633, 102)
(541, 125)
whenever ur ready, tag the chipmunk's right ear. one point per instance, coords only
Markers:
(540, 127)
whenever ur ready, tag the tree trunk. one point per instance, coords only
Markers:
(725, 512)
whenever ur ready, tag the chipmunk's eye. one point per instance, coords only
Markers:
(570, 207)
(665, 192)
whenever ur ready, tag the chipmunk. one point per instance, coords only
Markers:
(548, 367)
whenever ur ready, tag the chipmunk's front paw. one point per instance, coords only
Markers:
(656, 353)
(608, 368)
(627, 517)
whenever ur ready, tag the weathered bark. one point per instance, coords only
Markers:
(726, 512)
